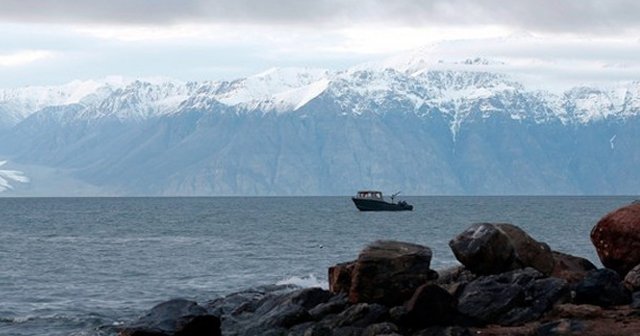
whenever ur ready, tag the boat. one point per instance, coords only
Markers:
(371, 200)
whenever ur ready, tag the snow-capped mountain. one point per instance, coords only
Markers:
(413, 122)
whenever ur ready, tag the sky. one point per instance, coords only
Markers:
(46, 42)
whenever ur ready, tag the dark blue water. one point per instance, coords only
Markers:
(81, 266)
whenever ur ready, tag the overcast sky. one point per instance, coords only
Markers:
(56, 41)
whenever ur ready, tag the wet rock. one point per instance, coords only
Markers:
(616, 238)
(334, 306)
(269, 310)
(379, 329)
(510, 298)
(389, 272)
(340, 277)
(430, 305)
(602, 287)
(486, 248)
(177, 317)
(561, 327)
(483, 249)
(632, 279)
(361, 315)
(570, 268)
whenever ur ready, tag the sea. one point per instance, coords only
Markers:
(86, 266)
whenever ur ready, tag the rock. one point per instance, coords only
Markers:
(340, 277)
(483, 249)
(389, 272)
(318, 330)
(616, 238)
(632, 279)
(583, 311)
(486, 248)
(602, 287)
(510, 298)
(334, 306)
(269, 310)
(635, 300)
(175, 317)
(379, 329)
(570, 268)
(528, 251)
(430, 305)
(361, 315)
(562, 327)
(445, 331)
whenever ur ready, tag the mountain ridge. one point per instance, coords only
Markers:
(320, 132)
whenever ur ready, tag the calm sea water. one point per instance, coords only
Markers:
(81, 266)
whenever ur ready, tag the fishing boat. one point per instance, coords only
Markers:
(371, 200)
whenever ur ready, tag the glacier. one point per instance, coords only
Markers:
(413, 123)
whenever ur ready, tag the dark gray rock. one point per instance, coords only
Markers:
(483, 249)
(510, 298)
(384, 328)
(361, 315)
(176, 317)
(269, 310)
(334, 306)
(602, 287)
(430, 305)
(539, 298)
(561, 327)
(635, 300)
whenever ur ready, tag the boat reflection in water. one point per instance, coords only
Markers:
(370, 200)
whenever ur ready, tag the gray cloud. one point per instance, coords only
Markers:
(568, 16)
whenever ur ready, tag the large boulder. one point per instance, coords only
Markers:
(269, 310)
(528, 252)
(570, 268)
(510, 298)
(602, 287)
(616, 238)
(176, 317)
(430, 305)
(389, 272)
(340, 277)
(486, 248)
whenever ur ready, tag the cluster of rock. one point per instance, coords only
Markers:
(508, 284)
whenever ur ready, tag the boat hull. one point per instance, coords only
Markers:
(377, 205)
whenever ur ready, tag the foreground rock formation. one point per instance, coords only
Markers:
(508, 284)
(617, 238)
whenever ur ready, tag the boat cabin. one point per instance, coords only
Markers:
(368, 194)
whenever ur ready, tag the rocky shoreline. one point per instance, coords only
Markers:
(507, 284)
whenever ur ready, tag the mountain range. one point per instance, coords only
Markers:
(426, 127)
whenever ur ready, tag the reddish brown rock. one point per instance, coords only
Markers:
(389, 272)
(430, 305)
(616, 238)
(528, 251)
(570, 268)
(340, 277)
